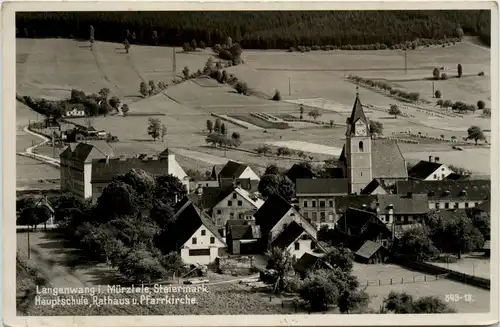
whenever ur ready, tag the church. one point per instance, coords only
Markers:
(365, 159)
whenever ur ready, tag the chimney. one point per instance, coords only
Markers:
(199, 190)
(234, 180)
(430, 158)
(377, 208)
(364, 206)
(390, 212)
(175, 198)
(107, 159)
(436, 159)
(238, 184)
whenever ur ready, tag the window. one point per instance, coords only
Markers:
(435, 176)
(456, 205)
(231, 215)
(240, 215)
(212, 240)
(442, 176)
(330, 204)
(321, 204)
(313, 245)
(297, 246)
(305, 204)
(240, 203)
(314, 216)
(219, 212)
(306, 215)
(234, 195)
(314, 204)
(199, 252)
(360, 145)
(476, 204)
(330, 216)
(437, 205)
(446, 205)
(406, 219)
(322, 216)
(203, 232)
(361, 173)
(466, 204)
(229, 203)
(194, 240)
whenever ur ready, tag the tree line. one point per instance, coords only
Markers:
(257, 30)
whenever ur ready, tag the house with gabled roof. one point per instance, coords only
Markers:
(234, 170)
(311, 261)
(372, 252)
(243, 237)
(274, 215)
(448, 194)
(194, 235)
(76, 166)
(297, 240)
(375, 187)
(431, 170)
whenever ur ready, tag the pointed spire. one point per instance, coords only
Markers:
(357, 109)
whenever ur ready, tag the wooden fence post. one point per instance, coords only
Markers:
(425, 278)
(391, 281)
(401, 280)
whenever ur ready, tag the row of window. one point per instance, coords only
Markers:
(231, 215)
(230, 203)
(312, 246)
(194, 240)
(322, 203)
(322, 216)
(455, 205)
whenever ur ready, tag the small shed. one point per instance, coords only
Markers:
(372, 252)
(486, 248)
(310, 261)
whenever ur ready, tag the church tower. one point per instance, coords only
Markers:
(358, 149)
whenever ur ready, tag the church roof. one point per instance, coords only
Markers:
(357, 111)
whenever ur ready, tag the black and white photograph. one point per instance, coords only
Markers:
(325, 163)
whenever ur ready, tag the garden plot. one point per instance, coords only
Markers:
(308, 147)
(208, 158)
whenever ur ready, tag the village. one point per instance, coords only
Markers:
(273, 212)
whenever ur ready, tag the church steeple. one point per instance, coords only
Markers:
(357, 110)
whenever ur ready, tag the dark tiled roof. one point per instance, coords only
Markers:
(342, 203)
(321, 186)
(387, 159)
(454, 177)
(333, 172)
(309, 261)
(232, 169)
(362, 223)
(299, 171)
(187, 222)
(270, 213)
(288, 235)
(423, 169)
(245, 183)
(372, 186)
(357, 111)
(244, 232)
(485, 206)
(368, 249)
(104, 170)
(87, 151)
(404, 204)
(475, 190)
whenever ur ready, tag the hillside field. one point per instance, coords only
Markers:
(52, 67)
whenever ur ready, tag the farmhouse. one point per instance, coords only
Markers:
(372, 252)
(104, 170)
(194, 235)
(364, 159)
(76, 166)
(76, 111)
(448, 194)
(316, 198)
(274, 215)
(234, 170)
(431, 170)
(242, 237)
(375, 187)
(295, 239)
(310, 261)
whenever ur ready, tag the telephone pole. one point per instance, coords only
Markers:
(53, 145)
(289, 86)
(406, 61)
(433, 89)
(174, 64)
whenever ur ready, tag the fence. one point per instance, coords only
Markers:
(402, 280)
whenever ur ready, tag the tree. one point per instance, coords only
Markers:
(223, 129)
(301, 109)
(209, 66)
(283, 151)
(318, 291)
(440, 103)
(437, 94)
(118, 199)
(487, 112)
(475, 133)
(163, 131)
(185, 72)
(224, 77)
(281, 262)
(398, 303)
(104, 92)
(142, 183)
(241, 88)
(114, 102)
(263, 150)
(34, 215)
(394, 110)
(194, 44)
(143, 89)
(314, 114)
(416, 243)
(152, 87)
(271, 183)
(210, 126)
(444, 76)
(236, 139)
(154, 37)
(376, 127)
(217, 126)
(202, 45)
(169, 189)
(404, 303)
(447, 103)
(436, 73)
(162, 214)
(272, 169)
(126, 45)
(214, 139)
(154, 128)
(481, 104)
(125, 109)
(186, 47)
(341, 258)
(459, 70)
(277, 96)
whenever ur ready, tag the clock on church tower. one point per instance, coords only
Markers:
(358, 149)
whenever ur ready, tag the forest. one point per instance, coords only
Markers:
(257, 29)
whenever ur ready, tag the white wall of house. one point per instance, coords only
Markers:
(300, 246)
(452, 204)
(87, 176)
(249, 173)
(439, 174)
(202, 239)
(292, 215)
(379, 190)
(233, 206)
(176, 170)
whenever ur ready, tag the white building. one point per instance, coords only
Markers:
(431, 170)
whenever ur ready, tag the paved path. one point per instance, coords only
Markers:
(29, 151)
